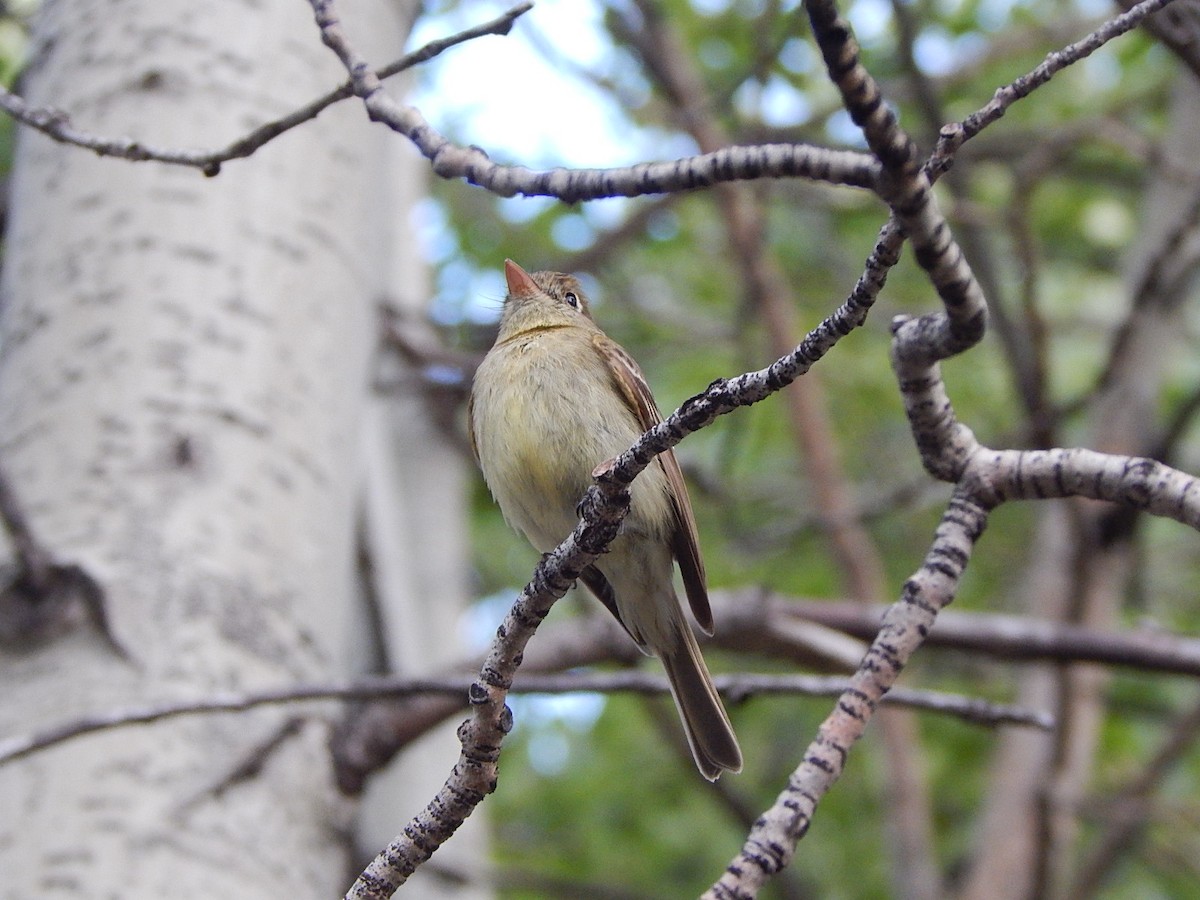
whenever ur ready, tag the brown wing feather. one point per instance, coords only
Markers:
(598, 585)
(685, 542)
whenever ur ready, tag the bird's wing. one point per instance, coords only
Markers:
(471, 426)
(598, 585)
(684, 542)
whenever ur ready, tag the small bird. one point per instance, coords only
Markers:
(554, 398)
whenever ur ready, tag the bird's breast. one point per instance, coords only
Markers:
(536, 447)
(547, 412)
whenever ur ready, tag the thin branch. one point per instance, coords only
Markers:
(56, 124)
(768, 626)
(1021, 638)
(572, 185)
(953, 136)
(904, 184)
(771, 843)
(368, 737)
(737, 688)
(472, 163)
(886, 252)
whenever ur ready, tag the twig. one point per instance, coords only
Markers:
(572, 185)
(56, 124)
(771, 843)
(738, 688)
(886, 252)
(953, 136)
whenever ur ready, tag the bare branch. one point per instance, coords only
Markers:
(1022, 638)
(953, 136)
(56, 124)
(738, 688)
(886, 252)
(904, 185)
(771, 843)
(572, 185)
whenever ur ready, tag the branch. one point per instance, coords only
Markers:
(572, 185)
(771, 843)
(56, 124)
(766, 626)
(953, 136)
(1021, 638)
(886, 252)
(737, 688)
(904, 184)
(473, 777)
(948, 450)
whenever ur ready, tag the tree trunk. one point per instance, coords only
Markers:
(185, 366)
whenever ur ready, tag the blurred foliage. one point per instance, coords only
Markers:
(1053, 195)
(14, 41)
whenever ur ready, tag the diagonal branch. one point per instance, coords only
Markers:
(904, 185)
(886, 252)
(953, 136)
(771, 843)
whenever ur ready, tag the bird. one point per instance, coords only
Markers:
(553, 399)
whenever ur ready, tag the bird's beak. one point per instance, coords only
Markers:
(520, 285)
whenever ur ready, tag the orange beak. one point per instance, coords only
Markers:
(519, 282)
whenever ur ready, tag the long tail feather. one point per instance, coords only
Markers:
(709, 732)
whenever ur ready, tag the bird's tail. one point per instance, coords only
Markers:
(709, 732)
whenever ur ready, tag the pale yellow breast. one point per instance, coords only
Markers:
(539, 438)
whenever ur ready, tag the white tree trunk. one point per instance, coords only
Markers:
(185, 363)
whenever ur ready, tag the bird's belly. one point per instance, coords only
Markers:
(539, 458)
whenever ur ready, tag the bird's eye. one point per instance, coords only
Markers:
(572, 299)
